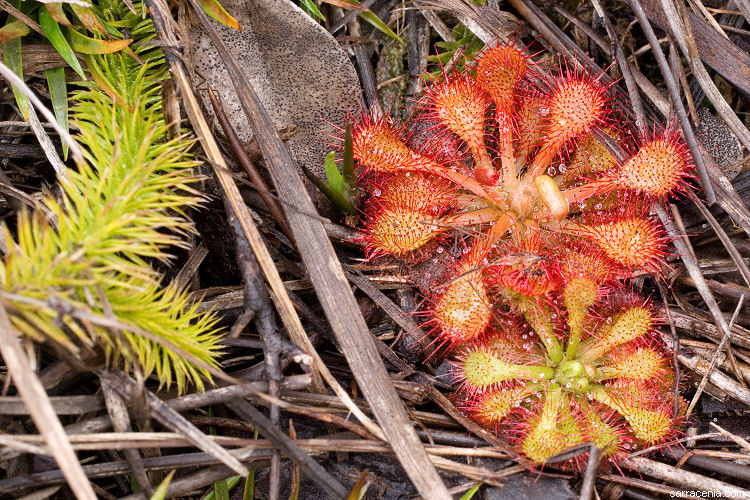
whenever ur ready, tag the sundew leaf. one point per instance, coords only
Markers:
(55, 36)
(13, 59)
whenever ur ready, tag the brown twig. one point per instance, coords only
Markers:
(273, 205)
(257, 307)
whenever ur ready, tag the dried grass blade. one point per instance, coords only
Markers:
(684, 479)
(40, 408)
(310, 467)
(173, 420)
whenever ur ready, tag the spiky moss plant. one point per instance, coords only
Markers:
(88, 249)
(548, 219)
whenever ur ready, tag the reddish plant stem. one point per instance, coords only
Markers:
(274, 207)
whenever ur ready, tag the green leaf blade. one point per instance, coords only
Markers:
(14, 60)
(58, 91)
(214, 9)
(54, 34)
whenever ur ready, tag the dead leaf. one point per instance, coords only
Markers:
(302, 75)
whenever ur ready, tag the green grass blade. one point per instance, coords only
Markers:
(334, 177)
(57, 13)
(161, 490)
(13, 30)
(55, 36)
(470, 494)
(222, 488)
(337, 198)
(360, 488)
(347, 168)
(379, 25)
(13, 59)
(312, 9)
(86, 45)
(58, 91)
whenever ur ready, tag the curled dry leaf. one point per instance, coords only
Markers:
(302, 75)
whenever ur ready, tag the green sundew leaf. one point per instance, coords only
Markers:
(312, 9)
(334, 177)
(86, 45)
(56, 11)
(214, 9)
(161, 490)
(374, 20)
(13, 59)
(55, 36)
(58, 91)
(470, 494)
(13, 30)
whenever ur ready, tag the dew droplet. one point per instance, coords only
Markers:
(439, 249)
(377, 192)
